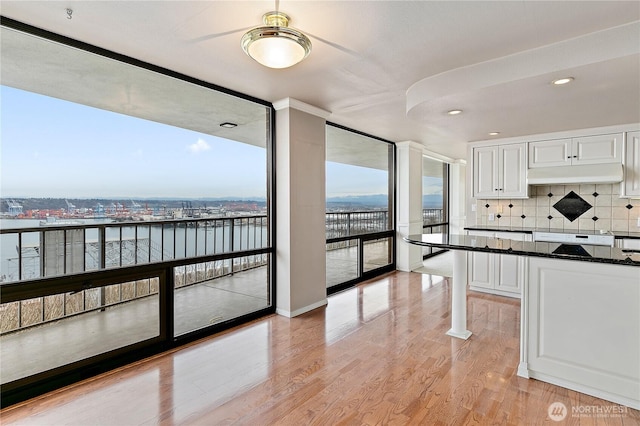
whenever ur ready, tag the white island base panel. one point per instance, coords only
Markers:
(581, 328)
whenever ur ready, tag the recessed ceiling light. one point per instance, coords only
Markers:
(561, 81)
(454, 112)
(494, 133)
(228, 125)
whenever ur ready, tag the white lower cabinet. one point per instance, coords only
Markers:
(628, 243)
(581, 328)
(501, 274)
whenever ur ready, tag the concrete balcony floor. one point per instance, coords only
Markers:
(40, 348)
(57, 343)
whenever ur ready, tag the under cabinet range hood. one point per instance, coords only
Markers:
(588, 173)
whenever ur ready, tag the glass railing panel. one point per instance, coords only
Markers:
(342, 262)
(168, 241)
(112, 246)
(46, 332)
(377, 253)
(93, 249)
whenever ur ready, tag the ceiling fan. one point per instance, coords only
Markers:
(275, 44)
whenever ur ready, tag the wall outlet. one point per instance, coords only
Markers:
(492, 217)
(638, 223)
(473, 208)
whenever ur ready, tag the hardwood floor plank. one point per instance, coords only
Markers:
(377, 354)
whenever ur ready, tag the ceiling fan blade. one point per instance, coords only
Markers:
(335, 45)
(216, 35)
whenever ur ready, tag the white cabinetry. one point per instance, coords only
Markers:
(500, 171)
(500, 274)
(631, 182)
(628, 243)
(599, 149)
(581, 328)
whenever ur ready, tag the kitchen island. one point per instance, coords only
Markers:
(580, 321)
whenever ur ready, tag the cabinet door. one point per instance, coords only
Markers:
(631, 183)
(513, 171)
(508, 273)
(600, 149)
(485, 172)
(628, 243)
(481, 270)
(550, 153)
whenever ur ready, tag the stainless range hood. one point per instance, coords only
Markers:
(563, 175)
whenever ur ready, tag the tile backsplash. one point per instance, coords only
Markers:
(608, 212)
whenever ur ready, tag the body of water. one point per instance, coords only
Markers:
(125, 244)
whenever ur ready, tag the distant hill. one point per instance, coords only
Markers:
(433, 201)
(377, 200)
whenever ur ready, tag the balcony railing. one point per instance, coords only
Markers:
(344, 224)
(50, 251)
(431, 216)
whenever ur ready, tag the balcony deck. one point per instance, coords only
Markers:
(50, 345)
(53, 344)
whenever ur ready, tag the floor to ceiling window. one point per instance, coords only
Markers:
(360, 207)
(135, 210)
(435, 199)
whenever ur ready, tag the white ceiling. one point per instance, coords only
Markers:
(493, 60)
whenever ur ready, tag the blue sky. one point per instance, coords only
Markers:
(54, 148)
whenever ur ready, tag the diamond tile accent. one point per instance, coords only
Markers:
(486, 205)
(629, 206)
(595, 194)
(510, 206)
(572, 206)
(549, 195)
(523, 216)
(594, 218)
(549, 217)
(498, 216)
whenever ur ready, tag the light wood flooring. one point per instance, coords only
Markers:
(377, 354)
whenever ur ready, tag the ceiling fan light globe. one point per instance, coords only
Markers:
(276, 45)
(276, 52)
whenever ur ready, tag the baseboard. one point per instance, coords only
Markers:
(523, 370)
(291, 314)
(617, 399)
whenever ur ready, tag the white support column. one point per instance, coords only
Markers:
(408, 204)
(459, 296)
(457, 196)
(301, 204)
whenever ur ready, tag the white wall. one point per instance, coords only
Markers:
(300, 204)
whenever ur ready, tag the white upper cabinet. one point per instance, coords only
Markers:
(513, 171)
(631, 182)
(550, 153)
(599, 149)
(500, 171)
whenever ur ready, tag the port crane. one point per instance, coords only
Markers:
(70, 207)
(15, 209)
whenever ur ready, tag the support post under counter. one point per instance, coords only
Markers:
(459, 296)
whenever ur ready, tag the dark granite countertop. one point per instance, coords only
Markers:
(524, 230)
(584, 252)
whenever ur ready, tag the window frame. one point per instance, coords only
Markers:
(31, 386)
(362, 238)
